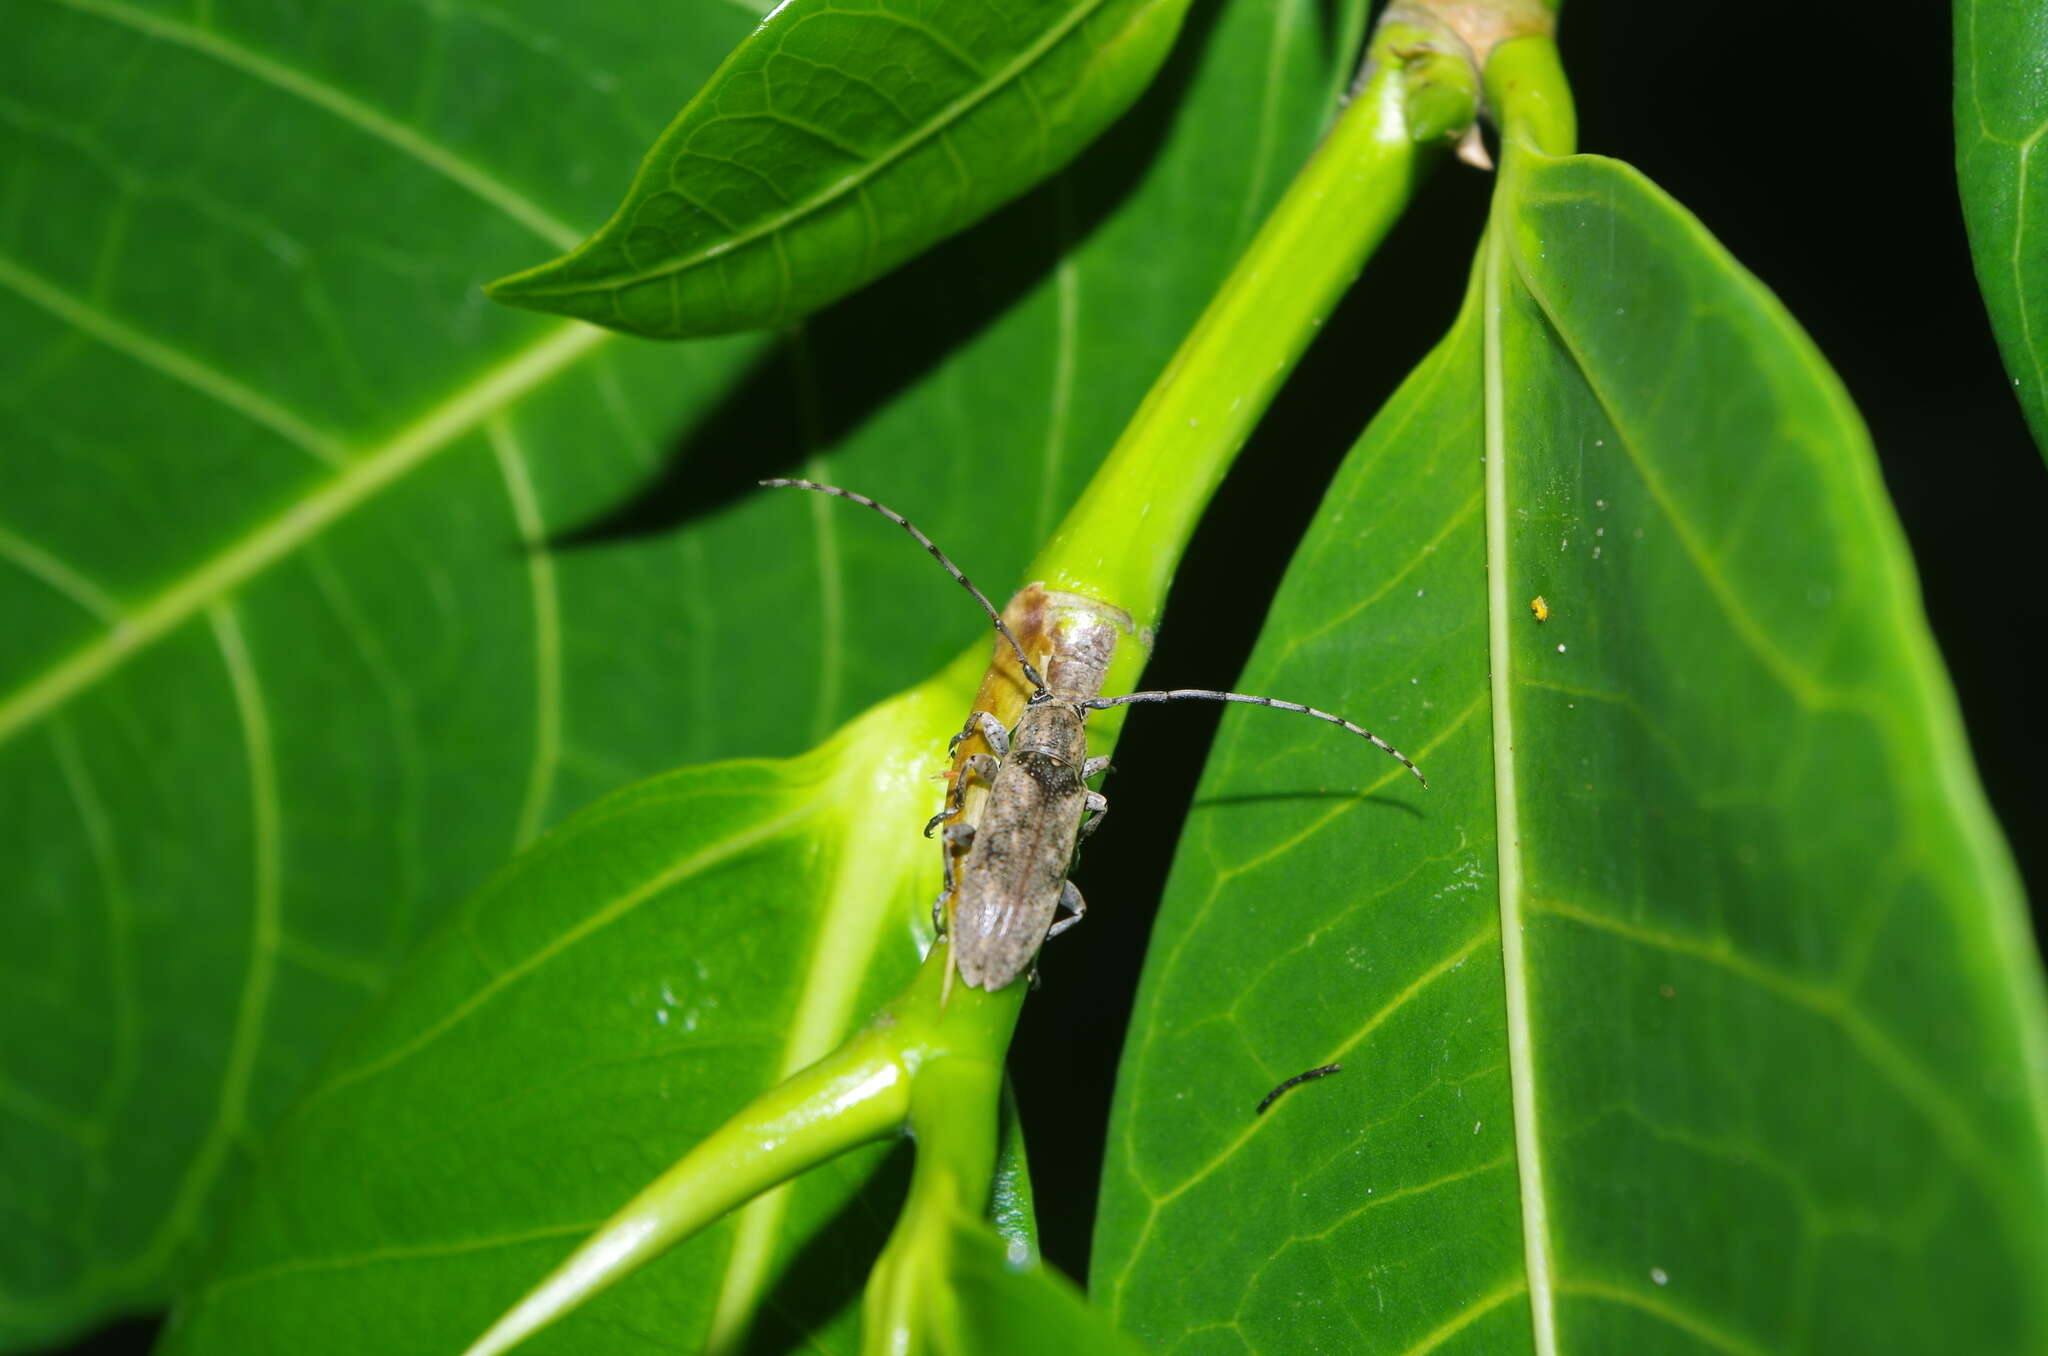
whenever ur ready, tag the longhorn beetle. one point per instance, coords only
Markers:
(1013, 882)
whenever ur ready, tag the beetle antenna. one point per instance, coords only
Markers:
(1202, 694)
(893, 516)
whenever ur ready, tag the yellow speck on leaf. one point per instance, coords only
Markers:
(1540, 608)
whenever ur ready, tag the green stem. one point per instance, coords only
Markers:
(859, 1093)
(866, 1090)
(1531, 100)
(1124, 538)
(953, 1106)
(963, 1035)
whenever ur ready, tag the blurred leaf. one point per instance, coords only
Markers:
(285, 675)
(1003, 1307)
(1761, 1068)
(2001, 117)
(601, 1006)
(836, 143)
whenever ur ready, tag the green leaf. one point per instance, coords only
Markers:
(1003, 1306)
(2001, 118)
(836, 143)
(599, 1008)
(284, 675)
(1693, 1007)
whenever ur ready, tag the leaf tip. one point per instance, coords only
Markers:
(525, 289)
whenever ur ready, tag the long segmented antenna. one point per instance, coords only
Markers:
(936, 554)
(1203, 694)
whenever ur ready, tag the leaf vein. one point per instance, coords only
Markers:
(99, 832)
(1667, 1313)
(1414, 988)
(304, 85)
(605, 914)
(1466, 1317)
(1913, 1082)
(547, 631)
(59, 575)
(1809, 692)
(252, 1007)
(375, 1256)
(180, 367)
(294, 525)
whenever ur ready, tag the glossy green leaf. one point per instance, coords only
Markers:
(284, 677)
(839, 141)
(2001, 118)
(1693, 1007)
(599, 1008)
(1002, 1306)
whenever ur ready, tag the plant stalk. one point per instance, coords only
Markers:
(929, 1061)
(1124, 538)
(1529, 97)
(951, 1117)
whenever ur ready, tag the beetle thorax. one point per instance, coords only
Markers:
(1083, 647)
(1053, 728)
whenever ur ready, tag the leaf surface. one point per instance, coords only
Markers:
(1005, 1308)
(286, 674)
(606, 1002)
(837, 142)
(1692, 1008)
(2001, 119)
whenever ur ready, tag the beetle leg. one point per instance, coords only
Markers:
(1095, 767)
(1076, 907)
(992, 730)
(977, 764)
(1096, 805)
(989, 728)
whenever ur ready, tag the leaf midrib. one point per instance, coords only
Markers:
(1537, 1262)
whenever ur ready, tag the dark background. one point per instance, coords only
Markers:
(1818, 148)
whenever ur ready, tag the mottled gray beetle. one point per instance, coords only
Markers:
(1012, 883)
